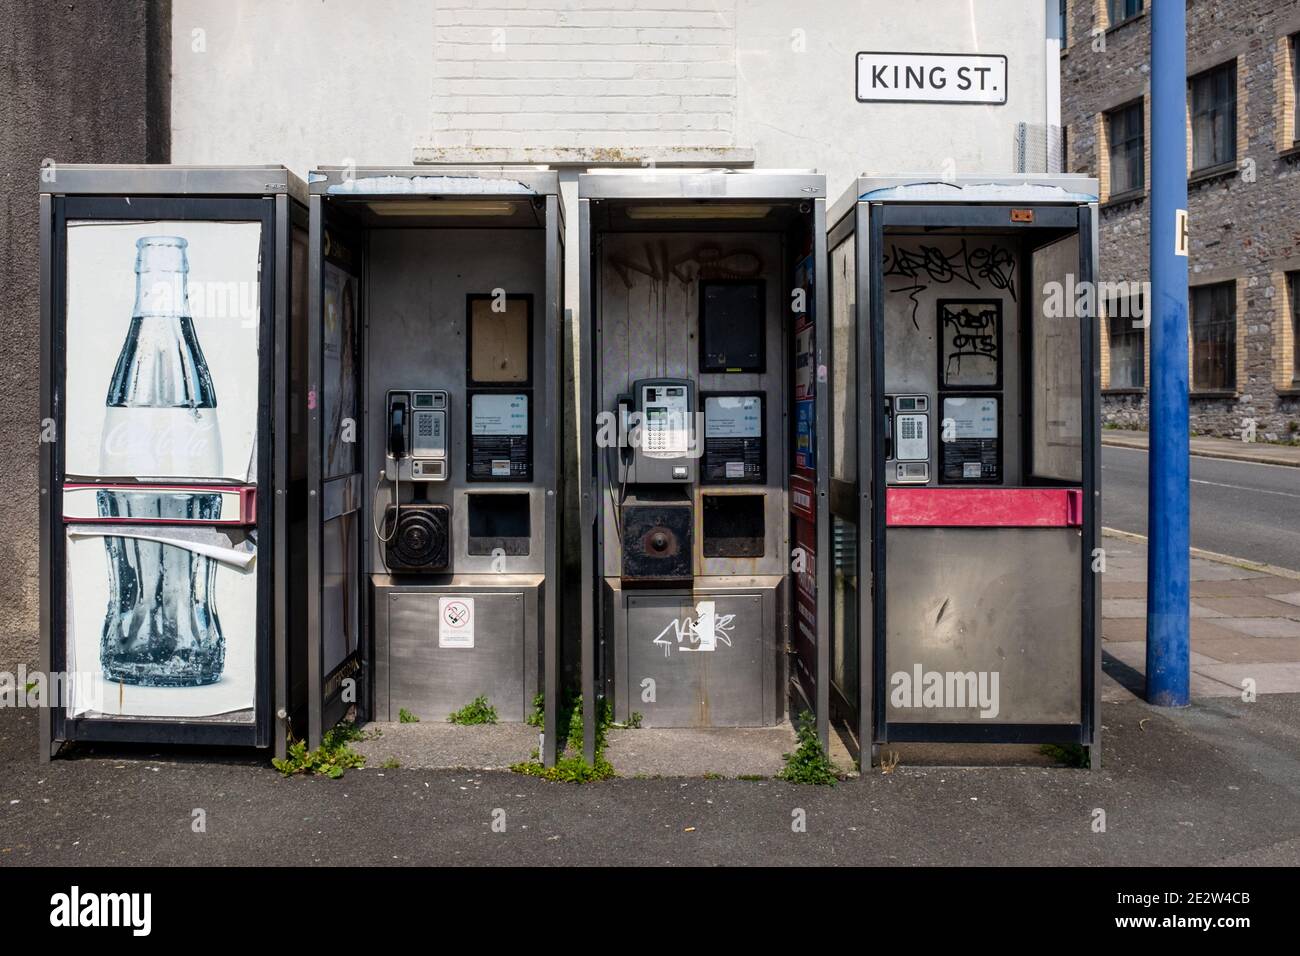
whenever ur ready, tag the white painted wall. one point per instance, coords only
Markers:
(798, 107)
(314, 82)
(301, 82)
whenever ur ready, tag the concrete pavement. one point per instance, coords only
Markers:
(1265, 452)
(1245, 625)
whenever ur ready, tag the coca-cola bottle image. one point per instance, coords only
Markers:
(161, 420)
(161, 628)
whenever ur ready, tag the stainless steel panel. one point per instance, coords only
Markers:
(413, 672)
(992, 601)
(658, 653)
(1025, 189)
(458, 181)
(415, 289)
(169, 180)
(701, 184)
(341, 496)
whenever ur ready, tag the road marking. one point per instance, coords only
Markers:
(1258, 491)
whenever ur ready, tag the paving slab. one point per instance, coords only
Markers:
(1124, 629)
(434, 745)
(1125, 664)
(1291, 598)
(1275, 678)
(1244, 649)
(1119, 681)
(1249, 606)
(1203, 629)
(1203, 569)
(1265, 585)
(1120, 608)
(1265, 627)
(1113, 587)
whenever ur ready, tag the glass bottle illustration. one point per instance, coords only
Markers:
(161, 627)
(161, 419)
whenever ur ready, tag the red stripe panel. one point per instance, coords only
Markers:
(984, 507)
(247, 502)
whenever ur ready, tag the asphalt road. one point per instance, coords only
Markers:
(1217, 782)
(1239, 508)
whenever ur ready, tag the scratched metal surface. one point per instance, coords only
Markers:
(989, 600)
(661, 671)
(415, 302)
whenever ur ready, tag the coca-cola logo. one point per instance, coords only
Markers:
(140, 442)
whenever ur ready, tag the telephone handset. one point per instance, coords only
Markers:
(417, 435)
(397, 429)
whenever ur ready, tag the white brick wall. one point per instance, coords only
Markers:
(584, 73)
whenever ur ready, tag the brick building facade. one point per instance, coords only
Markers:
(1243, 201)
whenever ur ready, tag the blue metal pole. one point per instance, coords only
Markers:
(1168, 571)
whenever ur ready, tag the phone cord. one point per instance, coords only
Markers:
(397, 507)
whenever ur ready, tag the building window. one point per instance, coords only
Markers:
(1126, 148)
(1293, 278)
(1214, 117)
(1119, 10)
(1295, 87)
(1063, 21)
(1126, 328)
(1214, 337)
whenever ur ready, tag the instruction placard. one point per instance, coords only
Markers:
(455, 622)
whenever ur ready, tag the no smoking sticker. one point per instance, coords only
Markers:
(455, 622)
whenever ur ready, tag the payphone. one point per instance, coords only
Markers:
(417, 435)
(907, 438)
(656, 516)
(415, 534)
(660, 446)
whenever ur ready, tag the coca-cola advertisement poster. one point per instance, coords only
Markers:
(162, 620)
(162, 349)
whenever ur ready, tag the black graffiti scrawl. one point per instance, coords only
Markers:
(979, 268)
(970, 340)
